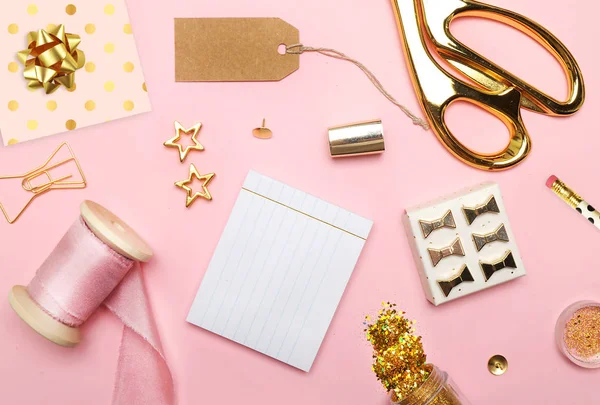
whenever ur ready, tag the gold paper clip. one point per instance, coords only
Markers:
(49, 183)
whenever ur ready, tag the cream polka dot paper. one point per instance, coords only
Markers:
(110, 86)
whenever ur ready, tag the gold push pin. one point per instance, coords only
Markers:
(497, 364)
(262, 132)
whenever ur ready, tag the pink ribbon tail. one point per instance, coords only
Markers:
(143, 376)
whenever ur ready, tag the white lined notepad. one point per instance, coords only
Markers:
(279, 271)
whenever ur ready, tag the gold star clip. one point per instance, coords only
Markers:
(205, 178)
(193, 131)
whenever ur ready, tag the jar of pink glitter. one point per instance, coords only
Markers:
(578, 333)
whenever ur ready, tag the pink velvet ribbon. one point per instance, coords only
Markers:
(83, 273)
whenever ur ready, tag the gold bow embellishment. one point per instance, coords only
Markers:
(499, 234)
(490, 268)
(472, 213)
(455, 249)
(51, 59)
(448, 285)
(447, 221)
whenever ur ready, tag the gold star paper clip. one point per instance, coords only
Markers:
(193, 131)
(205, 179)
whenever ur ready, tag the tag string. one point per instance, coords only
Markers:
(298, 49)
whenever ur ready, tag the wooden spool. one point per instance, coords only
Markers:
(111, 230)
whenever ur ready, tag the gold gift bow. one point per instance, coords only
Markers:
(51, 59)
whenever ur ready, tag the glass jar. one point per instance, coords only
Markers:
(438, 389)
(578, 333)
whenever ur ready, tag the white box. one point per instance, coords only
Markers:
(450, 264)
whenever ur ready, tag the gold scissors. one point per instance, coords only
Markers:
(497, 91)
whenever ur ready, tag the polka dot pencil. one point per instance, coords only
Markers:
(574, 200)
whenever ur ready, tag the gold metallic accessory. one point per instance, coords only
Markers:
(490, 268)
(193, 131)
(499, 234)
(426, 24)
(564, 192)
(51, 59)
(40, 180)
(205, 179)
(361, 138)
(455, 249)
(447, 221)
(472, 213)
(497, 364)
(262, 132)
(448, 285)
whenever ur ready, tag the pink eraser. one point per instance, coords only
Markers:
(551, 181)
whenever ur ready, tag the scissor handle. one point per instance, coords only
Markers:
(505, 106)
(440, 13)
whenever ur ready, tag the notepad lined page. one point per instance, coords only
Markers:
(279, 271)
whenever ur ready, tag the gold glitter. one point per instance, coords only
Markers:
(399, 361)
(582, 334)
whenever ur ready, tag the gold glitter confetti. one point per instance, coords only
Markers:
(399, 361)
(582, 334)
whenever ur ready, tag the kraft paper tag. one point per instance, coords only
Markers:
(233, 49)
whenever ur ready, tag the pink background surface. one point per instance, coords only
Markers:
(130, 172)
